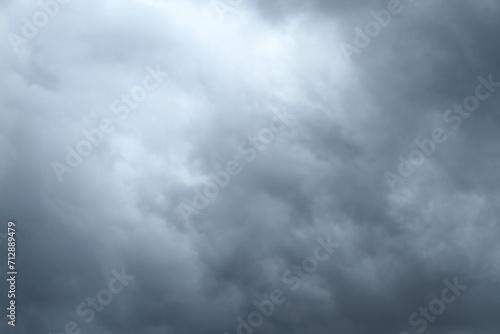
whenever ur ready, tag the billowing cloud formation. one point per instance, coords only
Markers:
(251, 166)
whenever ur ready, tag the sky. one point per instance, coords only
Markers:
(250, 166)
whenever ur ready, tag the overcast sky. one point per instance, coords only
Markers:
(350, 185)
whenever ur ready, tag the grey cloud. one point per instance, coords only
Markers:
(323, 175)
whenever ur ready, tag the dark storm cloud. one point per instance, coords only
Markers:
(322, 176)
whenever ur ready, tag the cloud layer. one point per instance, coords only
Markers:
(186, 89)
